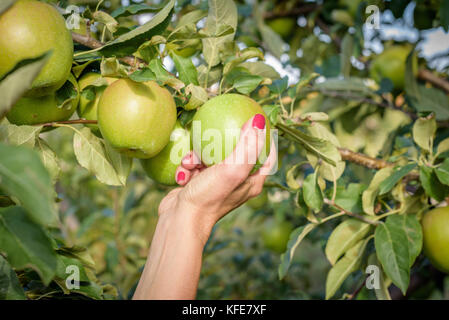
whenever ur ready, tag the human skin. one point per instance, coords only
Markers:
(188, 213)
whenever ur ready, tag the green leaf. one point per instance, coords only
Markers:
(23, 176)
(186, 70)
(133, 9)
(347, 46)
(87, 287)
(49, 159)
(442, 172)
(127, 43)
(444, 15)
(221, 12)
(370, 194)
(443, 146)
(344, 267)
(391, 241)
(19, 135)
(382, 293)
(290, 176)
(247, 84)
(321, 148)
(191, 17)
(104, 18)
(143, 75)
(26, 244)
(19, 80)
(111, 67)
(327, 171)
(272, 111)
(431, 184)
(344, 237)
(106, 164)
(424, 131)
(414, 233)
(431, 100)
(198, 96)
(350, 85)
(273, 40)
(244, 55)
(10, 288)
(397, 175)
(296, 237)
(260, 68)
(351, 198)
(312, 193)
(5, 5)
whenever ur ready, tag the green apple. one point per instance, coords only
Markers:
(28, 29)
(34, 110)
(217, 123)
(391, 63)
(87, 109)
(258, 202)
(275, 235)
(136, 118)
(436, 237)
(282, 26)
(162, 167)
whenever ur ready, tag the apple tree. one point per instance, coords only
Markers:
(362, 120)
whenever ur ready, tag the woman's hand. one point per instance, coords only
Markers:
(209, 193)
(188, 213)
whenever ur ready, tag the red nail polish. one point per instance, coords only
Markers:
(259, 121)
(181, 176)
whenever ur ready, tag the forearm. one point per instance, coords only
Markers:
(174, 262)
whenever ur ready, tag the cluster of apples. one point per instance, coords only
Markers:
(29, 29)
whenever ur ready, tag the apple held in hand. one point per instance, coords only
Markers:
(136, 118)
(217, 124)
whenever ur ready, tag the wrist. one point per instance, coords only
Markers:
(190, 220)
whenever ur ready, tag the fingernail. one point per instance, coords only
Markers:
(259, 121)
(181, 176)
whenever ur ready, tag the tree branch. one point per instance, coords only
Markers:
(427, 75)
(295, 12)
(76, 121)
(363, 159)
(349, 213)
(93, 43)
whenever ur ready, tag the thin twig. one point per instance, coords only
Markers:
(349, 213)
(76, 121)
(427, 75)
(295, 12)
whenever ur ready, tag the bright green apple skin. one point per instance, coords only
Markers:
(282, 26)
(162, 167)
(391, 64)
(136, 118)
(28, 29)
(276, 234)
(436, 237)
(30, 111)
(87, 109)
(226, 112)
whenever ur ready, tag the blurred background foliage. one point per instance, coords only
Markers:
(242, 256)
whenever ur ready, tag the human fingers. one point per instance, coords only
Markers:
(182, 176)
(237, 166)
(191, 161)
